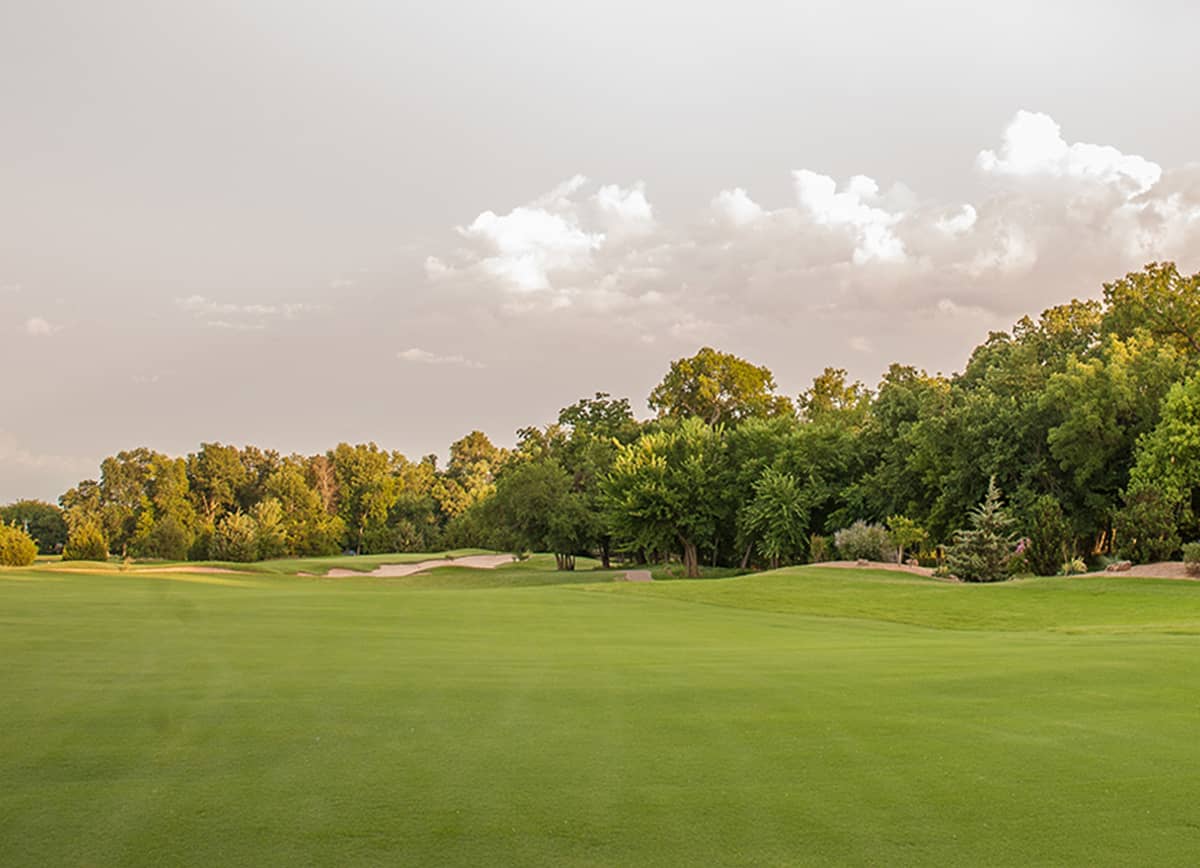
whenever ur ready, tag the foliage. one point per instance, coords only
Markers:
(718, 388)
(819, 550)
(863, 541)
(1073, 567)
(86, 542)
(776, 520)
(982, 553)
(42, 521)
(1191, 558)
(235, 539)
(904, 533)
(1146, 527)
(17, 548)
(1049, 536)
(664, 490)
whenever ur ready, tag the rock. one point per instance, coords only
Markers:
(912, 562)
(862, 562)
(1118, 566)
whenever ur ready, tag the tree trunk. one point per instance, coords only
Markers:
(691, 559)
(604, 553)
(746, 556)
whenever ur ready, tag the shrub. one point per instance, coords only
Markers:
(904, 533)
(864, 541)
(1146, 528)
(818, 549)
(86, 542)
(1191, 558)
(983, 553)
(235, 539)
(1049, 536)
(17, 548)
(1073, 567)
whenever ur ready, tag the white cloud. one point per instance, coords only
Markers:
(875, 241)
(736, 206)
(423, 357)
(38, 327)
(1057, 220)
(1033, 145)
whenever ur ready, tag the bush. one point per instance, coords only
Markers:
(86, 542)
(1146, 527)
(17, 548)
(983, 553)
(1049, 536)
(819, 550)
(1073, 567)
(235, 539)
(864, 541)
(1191, 558)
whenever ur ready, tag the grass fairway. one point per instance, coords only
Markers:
(802, 717)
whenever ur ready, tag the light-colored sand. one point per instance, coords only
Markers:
(1160, 570)
(636, 576)
(391, 571)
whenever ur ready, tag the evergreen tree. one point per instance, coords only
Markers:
(982, 553)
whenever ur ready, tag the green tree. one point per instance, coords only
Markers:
(1049, 533)
(905, 533)
(535, 508)
(42, 521)
(718, 388)
(665, 490)
(235, 538)
(86, 541)
(1160, 300)
(982, 554)
(776, 520)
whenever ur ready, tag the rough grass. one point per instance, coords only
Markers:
(801, 717)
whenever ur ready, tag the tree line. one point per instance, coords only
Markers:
(1086, 418)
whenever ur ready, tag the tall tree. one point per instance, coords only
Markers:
(718, 388)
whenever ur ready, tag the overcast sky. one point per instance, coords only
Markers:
(295, 223)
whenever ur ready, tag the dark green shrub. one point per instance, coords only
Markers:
(1146, 528)
(1049, 536)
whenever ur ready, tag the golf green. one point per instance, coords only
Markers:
(806, 716)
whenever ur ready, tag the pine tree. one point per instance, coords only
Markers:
(982, 553)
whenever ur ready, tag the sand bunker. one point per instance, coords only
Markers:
(391, 571)
(637, 576)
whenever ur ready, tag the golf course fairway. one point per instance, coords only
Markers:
(519, 716)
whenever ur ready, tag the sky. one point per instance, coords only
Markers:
(297, 223)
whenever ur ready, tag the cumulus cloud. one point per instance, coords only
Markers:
(424, 357)
(1057, 219)
(38, 327)
(1033, 146)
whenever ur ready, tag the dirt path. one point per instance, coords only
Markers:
(392, 571)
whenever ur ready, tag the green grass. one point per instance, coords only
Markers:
(802, 717)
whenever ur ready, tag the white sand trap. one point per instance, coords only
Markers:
(392, 571)
(141, 568)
